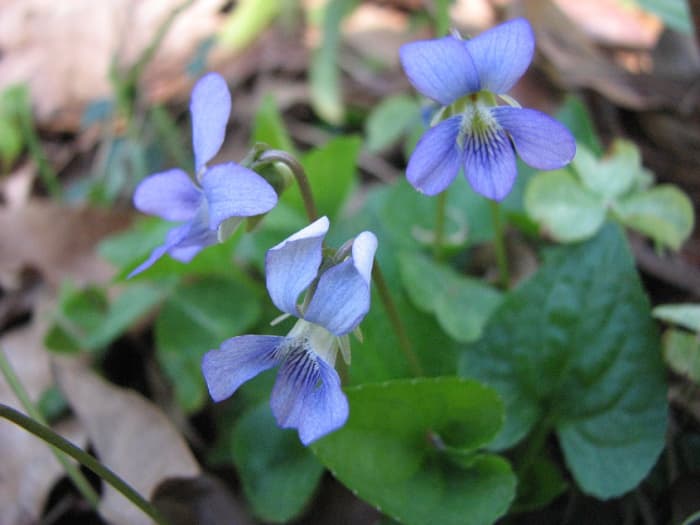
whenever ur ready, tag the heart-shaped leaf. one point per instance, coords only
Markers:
(664, 213)
(564, 208)
(279, 474)
(576, 346)
(410, 448)
(461, 304)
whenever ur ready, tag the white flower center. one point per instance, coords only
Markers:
(314, 338)
(478, 127)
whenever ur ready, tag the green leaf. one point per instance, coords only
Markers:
(198, 317)
(576, 346)
(575, 116)
(409, 216)
(326, 96)
(663, 213)
(389, 120)
(80, 313)
(682, 353)
(614, 175)
(685, 315)
(247, 21)
(11, 143)
(397, 451)
(461, 304)
(331, 172)
(52, 404)
(279, 475)
(565, 210)
(543, 482)
(268, 126)
(674, 13)
(87, 321)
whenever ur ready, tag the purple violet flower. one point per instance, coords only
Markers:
(478, 136)
(226, 192)
(307, 394)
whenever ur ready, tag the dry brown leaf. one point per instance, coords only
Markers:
(131, 436)
(56, 240)
(575, 61)
(611, 23)
(29, 469)
(63, 50)
(199, 500)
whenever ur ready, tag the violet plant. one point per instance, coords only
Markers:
(476, 135)
(226, 192)
(307, 395)
(459, 387)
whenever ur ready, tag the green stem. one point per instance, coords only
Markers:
(499, 244)
(273, 155)
(46, 434)
(396, 322)
(535, 444)
(79, 480)
(439, 239)
(31, 138)
(693, 519)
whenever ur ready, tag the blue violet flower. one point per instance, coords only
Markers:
(226, 192)
(307, 394)
(465, 76)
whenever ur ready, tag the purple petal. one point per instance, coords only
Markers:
(502, 54)
(174, 236)
(363, 249)
(234, 191)
(541, 141)
(293, 264)
(182, 243)
(440, 69)
(238, 360)
(342, 297)
(210, 107)
(437, 158)
(170, 195)
(490, 165)
(307, 396)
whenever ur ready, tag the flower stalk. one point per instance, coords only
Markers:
(273, 155)
(499, 245)
(440, 216)
(77, 477)
(49, 436)
(396, 322)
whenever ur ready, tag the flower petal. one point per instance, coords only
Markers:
(490, 166)
(293, 264)
(502, 54)
(210, 107)
(234, 191)
(183, 242)
(437, 158)
(307, 396)
(440, 69)
(238, 360)
(342, 297)
(541, 141)
(174, 236)
(169, 194)
(363, 249)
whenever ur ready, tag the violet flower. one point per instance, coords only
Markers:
(307, 394)
(478, 136)
(226, 192)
